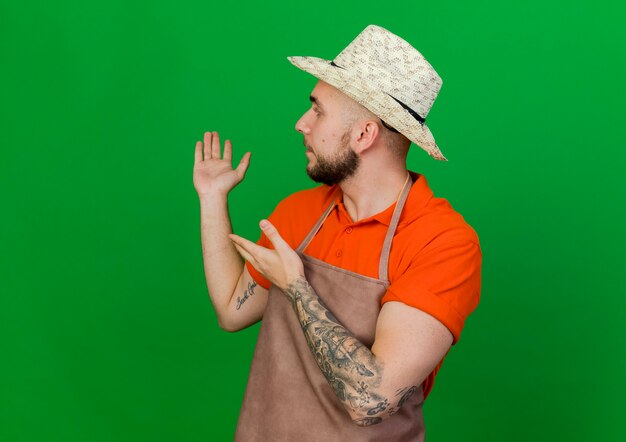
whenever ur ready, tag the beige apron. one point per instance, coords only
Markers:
(288, 398)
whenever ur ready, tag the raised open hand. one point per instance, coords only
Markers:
(212, 174)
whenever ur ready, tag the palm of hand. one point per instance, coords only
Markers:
(212, 173)
(215, 175)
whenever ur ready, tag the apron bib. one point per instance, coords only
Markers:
(287, 397)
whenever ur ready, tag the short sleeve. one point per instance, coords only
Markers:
(444, 282)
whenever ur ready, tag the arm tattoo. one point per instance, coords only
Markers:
(367, 421)
(246, 294)
(349, 366)
(404, 393)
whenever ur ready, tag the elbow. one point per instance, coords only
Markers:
(228, 329)
(227, 326)
(226, 320)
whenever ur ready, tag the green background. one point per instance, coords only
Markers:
(106, 329)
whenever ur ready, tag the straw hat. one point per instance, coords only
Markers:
(389, 77)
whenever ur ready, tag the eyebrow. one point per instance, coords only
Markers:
(316, 101)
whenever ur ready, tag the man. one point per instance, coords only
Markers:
(355, 329)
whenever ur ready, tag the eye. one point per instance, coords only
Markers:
(317, 112)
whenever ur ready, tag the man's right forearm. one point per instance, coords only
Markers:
(222, 264)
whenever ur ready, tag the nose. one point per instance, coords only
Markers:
(302, 125)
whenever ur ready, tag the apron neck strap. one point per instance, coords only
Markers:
(315, 229)
(383, 266)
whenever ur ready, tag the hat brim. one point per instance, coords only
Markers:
(377, 101)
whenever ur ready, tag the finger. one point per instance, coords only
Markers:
(207, 145)
(215, 147)
(228, 150)
(252, 248)
(272, 234)
(245, 255)
(243, 165)
(198, 154)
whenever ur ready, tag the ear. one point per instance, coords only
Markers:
(365, 135)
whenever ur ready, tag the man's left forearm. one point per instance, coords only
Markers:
(352, 370)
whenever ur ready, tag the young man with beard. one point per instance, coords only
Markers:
(362, 283)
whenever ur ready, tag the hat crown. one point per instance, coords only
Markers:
(389, 63)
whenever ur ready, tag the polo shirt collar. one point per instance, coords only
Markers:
(419, 196)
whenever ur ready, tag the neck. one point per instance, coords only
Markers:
(369, 192)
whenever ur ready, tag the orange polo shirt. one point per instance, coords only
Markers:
(435, 260)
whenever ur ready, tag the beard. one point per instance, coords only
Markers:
(334, 169)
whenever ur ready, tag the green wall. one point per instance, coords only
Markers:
(106, 329)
